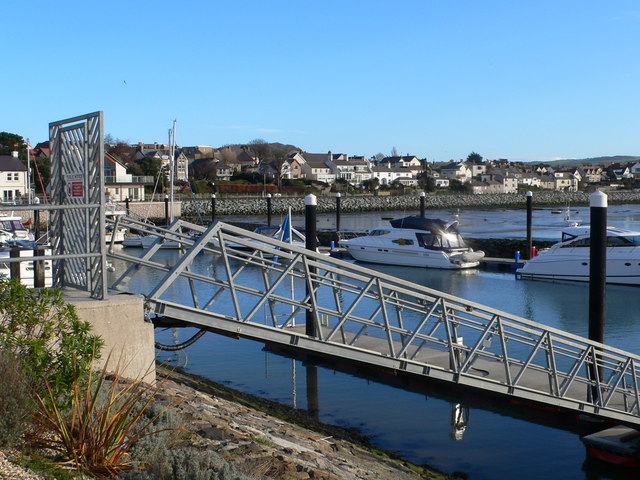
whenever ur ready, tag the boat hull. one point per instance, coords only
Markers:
(406, 257)
(622, 267)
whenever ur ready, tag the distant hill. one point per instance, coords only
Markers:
(574, 162)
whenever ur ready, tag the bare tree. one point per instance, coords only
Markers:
(260, 149)
(279, 155)
(394, 152)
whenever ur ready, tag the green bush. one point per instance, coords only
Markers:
(16, 401)
(44, 332)
(186, 463)
(161, 455)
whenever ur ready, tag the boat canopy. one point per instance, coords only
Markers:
(427, 224)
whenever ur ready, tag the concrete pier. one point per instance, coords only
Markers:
(119, 320)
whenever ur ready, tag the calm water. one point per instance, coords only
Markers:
(418, 425)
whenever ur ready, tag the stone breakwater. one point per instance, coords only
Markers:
(351, 204)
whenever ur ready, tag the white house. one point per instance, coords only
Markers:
(388, 175)
(13, 178)
(120, 185)
(315, 167)
(354, 170)
(457, 171)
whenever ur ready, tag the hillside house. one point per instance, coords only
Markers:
(315, 167)
(456, 171)
(388, 175)
(565, 181)
(354, 170)
(13, 179)
(120, 185)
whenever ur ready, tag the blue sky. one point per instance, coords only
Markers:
(523, 80)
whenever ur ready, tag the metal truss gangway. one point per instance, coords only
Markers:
(259, 288)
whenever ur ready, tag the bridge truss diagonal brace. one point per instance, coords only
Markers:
(184, 261)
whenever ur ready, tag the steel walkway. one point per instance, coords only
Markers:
(256, 287)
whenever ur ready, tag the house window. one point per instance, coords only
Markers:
(7, 195)
(15, 176)
(9, 177)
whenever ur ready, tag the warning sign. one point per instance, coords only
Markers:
(74, 183)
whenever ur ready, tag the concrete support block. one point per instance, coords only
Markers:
(119, 320)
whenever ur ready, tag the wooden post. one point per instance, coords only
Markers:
(38, 268)
(422, 200)
(14, 267)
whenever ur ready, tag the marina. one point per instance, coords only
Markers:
(437, 438)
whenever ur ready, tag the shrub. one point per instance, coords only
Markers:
(160, 456)
(104, 421)
(187, 463)
(44, 332)
(16, 401)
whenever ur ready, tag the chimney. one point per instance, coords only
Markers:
(14, 154)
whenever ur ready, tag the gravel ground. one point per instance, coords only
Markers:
(12, 471)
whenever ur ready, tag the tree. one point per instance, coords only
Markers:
(427, 182)
(475, 158)
(394, 152)
(371, 185)
(260, 149)
(10, 142)
(42, 169)
(279, 155)
(145, 166)
(456, 185)
(378, 157)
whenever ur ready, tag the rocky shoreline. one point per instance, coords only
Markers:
(264, 439)
(371, 203)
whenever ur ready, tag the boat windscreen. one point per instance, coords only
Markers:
(11, 225)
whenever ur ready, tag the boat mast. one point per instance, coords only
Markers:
(172, 151)
(28, 173)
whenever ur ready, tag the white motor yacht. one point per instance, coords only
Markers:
(11, 228)
(569, 258)
(415, 242)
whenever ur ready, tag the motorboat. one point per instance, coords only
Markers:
(569, 258)
(147, 241)
(12, 228)
(113, 234)
(415, 242)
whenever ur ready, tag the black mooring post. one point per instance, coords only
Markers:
(166, 209)
(313, 405)
(126, 205)
(597, 274)
(529, 217)
(213, 207)
(268, 209)
(36, 220)
(311, 243)
(338, 208)
(422, 199)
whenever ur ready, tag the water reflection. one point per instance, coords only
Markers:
(433, 428)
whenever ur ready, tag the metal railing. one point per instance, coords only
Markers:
(262, 288)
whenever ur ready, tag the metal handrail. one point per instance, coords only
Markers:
(361, 312)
